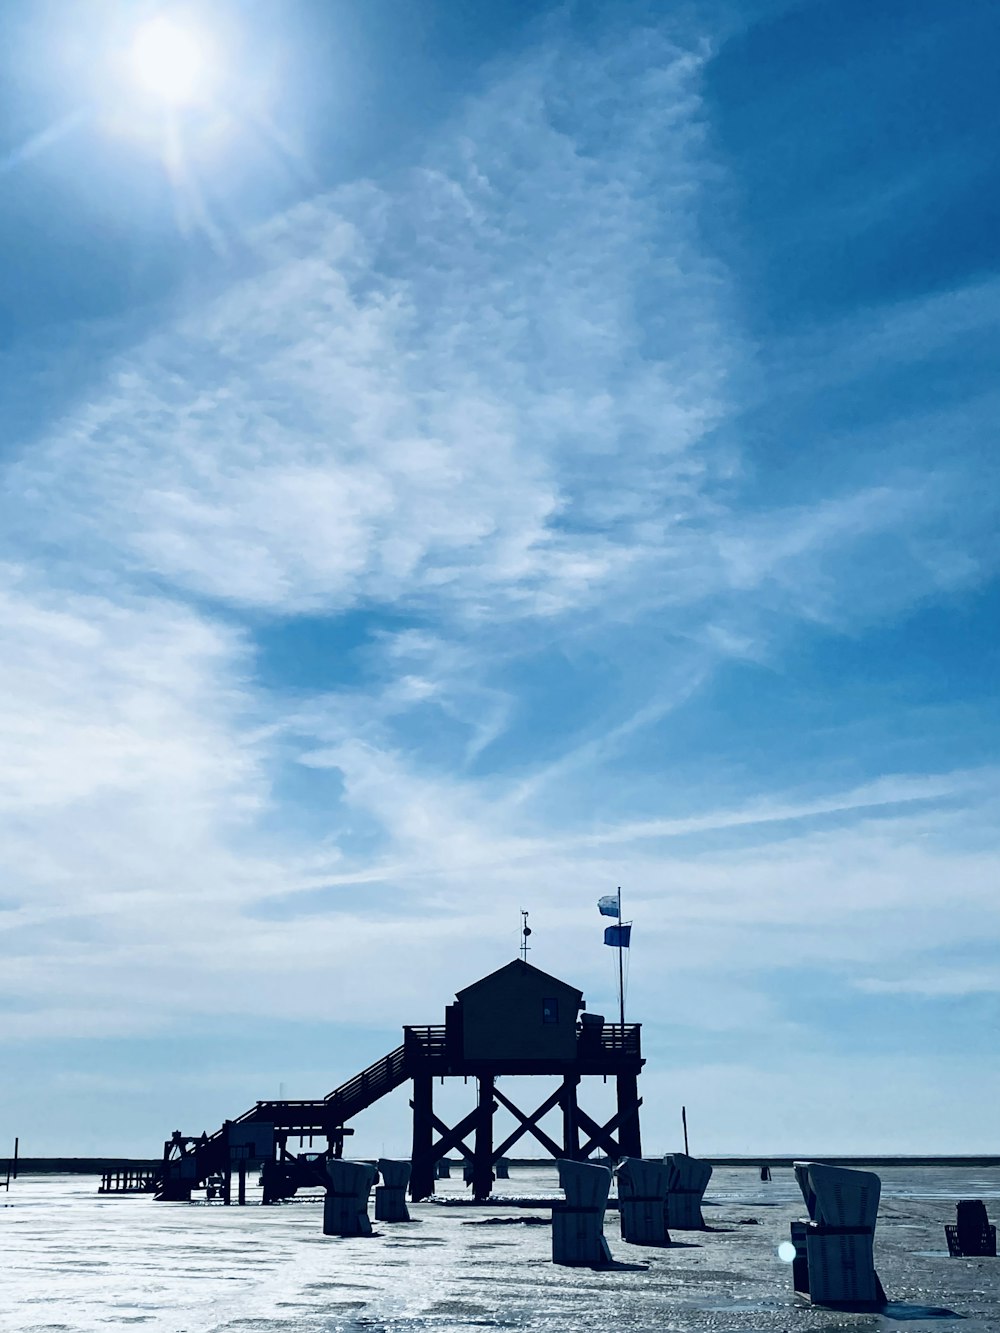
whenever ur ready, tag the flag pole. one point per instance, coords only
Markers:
(621, 968)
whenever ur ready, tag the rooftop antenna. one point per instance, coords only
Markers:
(525, 932)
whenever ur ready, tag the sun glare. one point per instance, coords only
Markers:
(169, 61)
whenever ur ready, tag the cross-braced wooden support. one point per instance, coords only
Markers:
(618, 1138)
(427, 1150)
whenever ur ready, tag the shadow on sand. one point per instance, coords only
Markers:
(901, 1311)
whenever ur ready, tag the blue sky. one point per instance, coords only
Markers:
(492, 454)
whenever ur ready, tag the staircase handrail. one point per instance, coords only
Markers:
(371, 1084)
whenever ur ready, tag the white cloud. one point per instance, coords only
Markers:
(441, 389)
(135, 861)
(133, 777)
(501, 385)
(859, 897)
(101, 696)
(940, 983)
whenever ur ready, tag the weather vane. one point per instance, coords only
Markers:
(525, 932)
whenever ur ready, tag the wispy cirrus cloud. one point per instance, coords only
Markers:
(418, 389)
(501, 384)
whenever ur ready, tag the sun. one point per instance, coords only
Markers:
(170, 62)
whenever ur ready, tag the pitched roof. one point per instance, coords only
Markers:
(518, 965)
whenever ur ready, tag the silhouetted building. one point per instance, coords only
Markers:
(518, 1020)
(519, 1013)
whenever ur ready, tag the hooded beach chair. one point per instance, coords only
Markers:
(834, 1262)
(578, 1224)
(390, 1196)
(345, 1209)
(642, 1201)
(689, 1179)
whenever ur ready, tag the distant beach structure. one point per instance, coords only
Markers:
(10, 1171)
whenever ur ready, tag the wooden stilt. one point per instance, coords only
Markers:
(629, 1141)
(571, 1123)
(227, 1171)
(482, 1159)
(422, 1155)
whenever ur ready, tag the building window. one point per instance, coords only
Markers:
(550, 1011)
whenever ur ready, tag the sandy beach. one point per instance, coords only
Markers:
(77, 1262)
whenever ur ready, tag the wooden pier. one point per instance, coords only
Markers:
(129, 1182)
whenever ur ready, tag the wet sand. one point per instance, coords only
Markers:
(73, 1261)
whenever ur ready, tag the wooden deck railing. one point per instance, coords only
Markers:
(618, 1040)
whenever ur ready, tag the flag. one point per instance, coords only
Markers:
(608, 906)
(618, 936)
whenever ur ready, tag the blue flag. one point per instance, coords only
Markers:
(608, 906)
(618, 936)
